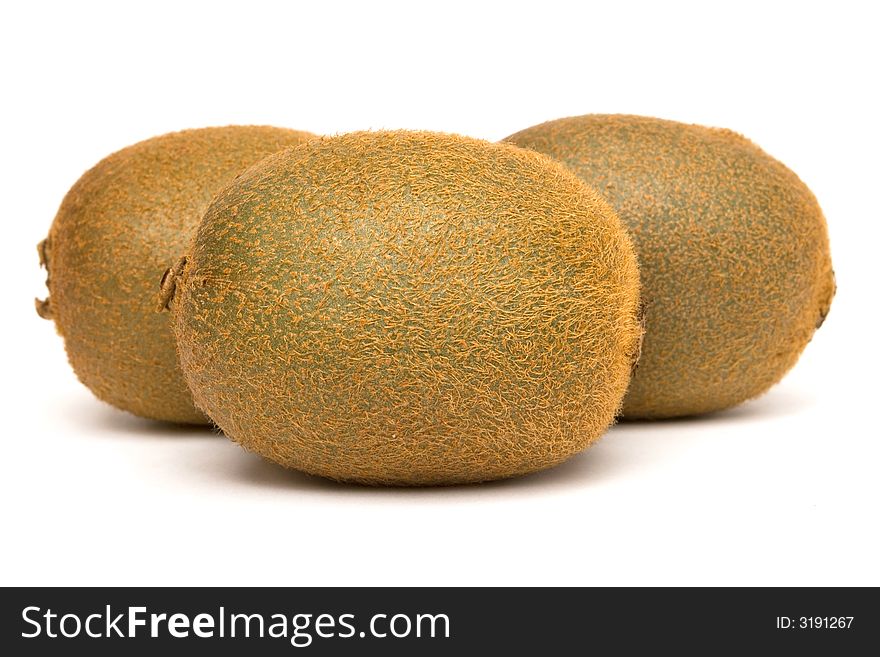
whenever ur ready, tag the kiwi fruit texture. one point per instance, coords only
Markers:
(111, 240)
(408, 308)
(733, 252)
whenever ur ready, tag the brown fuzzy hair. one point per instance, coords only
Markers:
(109, 244)
(409, 308)
(733, 250)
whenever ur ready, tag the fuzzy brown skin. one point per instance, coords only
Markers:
(733, 249)
(409, 308)
(112, 238)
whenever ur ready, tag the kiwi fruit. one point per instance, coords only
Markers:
(111, 240)
(408, 308)
(733, 252)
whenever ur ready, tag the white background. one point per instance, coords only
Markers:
(783, 490)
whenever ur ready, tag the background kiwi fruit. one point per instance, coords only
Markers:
(111, 240)
(408, 308)
(733, 251)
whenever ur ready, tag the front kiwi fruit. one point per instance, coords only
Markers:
(733, 250)
(110, 242)
(408, 308)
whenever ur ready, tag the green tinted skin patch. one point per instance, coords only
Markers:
(733, 251)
